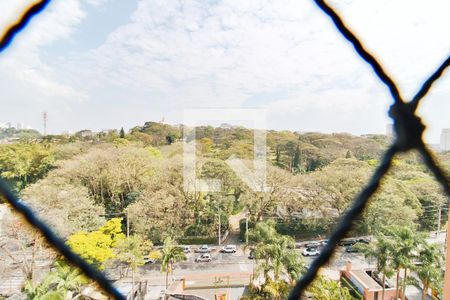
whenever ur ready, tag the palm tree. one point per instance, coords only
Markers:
(38, 291)
(325, 289)
(67, 279)
(429, 267)
(276, 258)
(131, 252)
(276, 289)
(380, 251)
(61, 283)
(171, 253)
(405, 241)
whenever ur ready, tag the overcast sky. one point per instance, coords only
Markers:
(106, 64)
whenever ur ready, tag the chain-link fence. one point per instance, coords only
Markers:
(408, 128)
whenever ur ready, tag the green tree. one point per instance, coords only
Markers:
(405, 241)
(122, 133)
(67, 279)
(277, 260)
(41, 291)
(380, 251)
(296, 163)
(64, 282)
(23, 163)
(171, 253)
(325, 289)
(429, 267)
(131, 251)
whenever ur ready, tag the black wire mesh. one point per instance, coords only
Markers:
(408, 128)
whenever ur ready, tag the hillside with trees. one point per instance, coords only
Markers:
(313, 179)
(80, 183)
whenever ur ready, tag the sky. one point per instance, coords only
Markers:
(103, 64)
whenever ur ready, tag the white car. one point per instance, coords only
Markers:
(203, 249)
(229, 249)
(310, 252)
(186, 249)
(203, 258)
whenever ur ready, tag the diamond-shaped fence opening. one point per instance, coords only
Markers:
(408, 128)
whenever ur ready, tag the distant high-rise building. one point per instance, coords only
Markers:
(390, 129)
(445, 139)
(20, 126)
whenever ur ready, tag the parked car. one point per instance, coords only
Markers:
(310, 252)
(351, 249)
(364, 240)
(203, 258)
(347, 242)
(352, 241)
(298, 245)
(148, 260)
(312, 244)
(229, 249)
(186, 249)
(324, 243)
(203, 249)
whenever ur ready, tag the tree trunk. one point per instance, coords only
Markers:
(383, 280)
(424, 291)
(132, 284)
(397, 288)
(404, 283)
(167, 278)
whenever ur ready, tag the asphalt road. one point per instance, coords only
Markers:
(239, 262)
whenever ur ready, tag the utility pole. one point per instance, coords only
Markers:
(446, 289)
(44, 117)
(246, 229)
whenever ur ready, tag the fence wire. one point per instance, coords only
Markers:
(407, 125)
(408, 129)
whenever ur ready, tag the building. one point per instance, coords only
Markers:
(209, 287)
(364, 283)
(445, 139)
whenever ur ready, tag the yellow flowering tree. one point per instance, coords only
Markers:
(97, 246)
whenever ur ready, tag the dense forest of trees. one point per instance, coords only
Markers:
(313, 177)
(88, 186)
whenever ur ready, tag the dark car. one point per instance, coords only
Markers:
(351, 249)
(364, 240)
(347, 242)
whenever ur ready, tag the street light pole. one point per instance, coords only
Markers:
(128, 225)
(439, 221)
(219, 228)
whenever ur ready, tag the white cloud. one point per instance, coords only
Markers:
(175, 54)
(23, 58)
